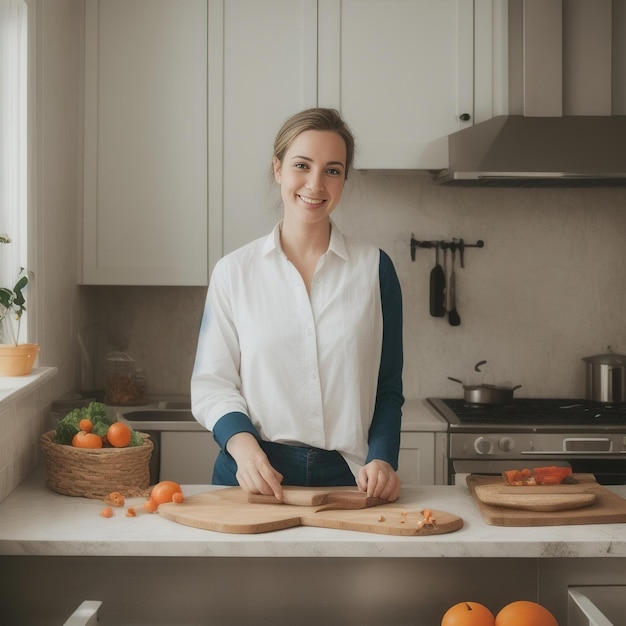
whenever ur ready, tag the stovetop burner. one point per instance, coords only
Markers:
(532, 413)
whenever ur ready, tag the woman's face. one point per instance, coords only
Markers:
(311, 175)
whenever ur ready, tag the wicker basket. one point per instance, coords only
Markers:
(95, 473)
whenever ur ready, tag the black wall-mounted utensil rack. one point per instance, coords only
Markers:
(454, 245)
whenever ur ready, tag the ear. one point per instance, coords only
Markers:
(276, 165)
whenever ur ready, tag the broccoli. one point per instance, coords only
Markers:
(66, 431)
(96, 412)
(135, 439)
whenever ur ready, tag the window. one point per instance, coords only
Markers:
(13, 138)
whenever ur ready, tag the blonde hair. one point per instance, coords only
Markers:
(314, 119)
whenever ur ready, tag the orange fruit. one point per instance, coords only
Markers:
(85, 425)
(119, 435)
(525, 613)
(164, 491)
(86, 440)
(468, 614)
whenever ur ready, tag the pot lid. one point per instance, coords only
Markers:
(606, 359)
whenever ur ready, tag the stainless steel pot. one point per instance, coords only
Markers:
(486, 394)
(606, 377)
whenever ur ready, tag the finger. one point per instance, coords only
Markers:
(391, 490)
(273, 480)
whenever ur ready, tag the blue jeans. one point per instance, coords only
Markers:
(300, 466)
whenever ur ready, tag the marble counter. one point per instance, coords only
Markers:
(419, 416)
(37, 521)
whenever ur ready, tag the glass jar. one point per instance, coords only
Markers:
(124, 383)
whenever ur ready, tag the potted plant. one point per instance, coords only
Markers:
(16, 359)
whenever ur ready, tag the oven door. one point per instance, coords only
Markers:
(608, 471)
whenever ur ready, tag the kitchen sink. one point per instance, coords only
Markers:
(175, 405)
(159, 415)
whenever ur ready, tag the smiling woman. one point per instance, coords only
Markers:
(298, 371)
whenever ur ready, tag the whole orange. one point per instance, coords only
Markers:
(86, 440)
(468, 614)
(525, 613)
(164, 491)
(119, 435)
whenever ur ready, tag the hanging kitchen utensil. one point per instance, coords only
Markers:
(453, 316)
(437, 287)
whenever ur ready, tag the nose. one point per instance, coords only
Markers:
(315, 181)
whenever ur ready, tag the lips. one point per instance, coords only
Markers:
(311, 201)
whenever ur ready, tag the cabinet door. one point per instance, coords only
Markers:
(401, 73)
(262, 69)
(188, 457)
(416, 465)
(145, 178)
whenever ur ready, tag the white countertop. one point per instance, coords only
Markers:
(37, 521)
(419, 416)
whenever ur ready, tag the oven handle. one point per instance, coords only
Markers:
(614, 453)
(577, 446)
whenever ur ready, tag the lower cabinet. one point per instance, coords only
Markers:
(419, 455)
(188, 457)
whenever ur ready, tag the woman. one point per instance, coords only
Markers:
(298, 371)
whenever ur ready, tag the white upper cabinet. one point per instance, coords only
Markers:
(402, 74)
(145, 178)
(262, 70)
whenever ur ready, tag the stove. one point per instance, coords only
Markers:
(539, 415)
(588, 436)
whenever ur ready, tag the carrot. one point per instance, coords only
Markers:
(107, 512)
(151, 506)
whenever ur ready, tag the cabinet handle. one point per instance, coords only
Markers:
(465, 117)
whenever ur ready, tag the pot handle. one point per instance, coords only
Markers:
(516, 387)
(456, 380)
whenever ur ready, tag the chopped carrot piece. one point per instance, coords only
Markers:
(151, 506)
(107, 512)
(178, 497)
(131, 512)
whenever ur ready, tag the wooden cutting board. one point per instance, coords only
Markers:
(229, 511)
(585, 502)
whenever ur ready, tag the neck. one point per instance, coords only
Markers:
(298, 240)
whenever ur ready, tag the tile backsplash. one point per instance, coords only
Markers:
(546, 290)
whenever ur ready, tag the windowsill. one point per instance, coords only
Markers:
(13, 388)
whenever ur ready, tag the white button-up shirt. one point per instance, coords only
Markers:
(304, 369)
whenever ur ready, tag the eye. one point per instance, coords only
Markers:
(333, 171)
(300, 166)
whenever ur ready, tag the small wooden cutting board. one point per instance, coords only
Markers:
(229, 511)
(553, 498)
(585, 502)
(323, 499)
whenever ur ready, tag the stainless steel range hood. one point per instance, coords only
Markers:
(560, 71)
(539, 151)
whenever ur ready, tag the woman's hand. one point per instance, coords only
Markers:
(255, 474)
(379, 480)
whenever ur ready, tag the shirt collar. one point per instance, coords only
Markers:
(337, 244)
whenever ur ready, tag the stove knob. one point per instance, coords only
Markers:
(483, 446)
(506, 444)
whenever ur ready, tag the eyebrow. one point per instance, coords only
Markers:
(310, 160)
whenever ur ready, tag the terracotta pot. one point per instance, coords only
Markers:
(17, 360)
